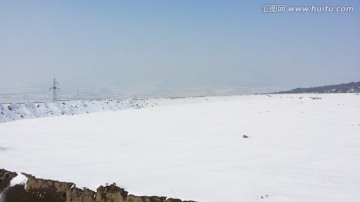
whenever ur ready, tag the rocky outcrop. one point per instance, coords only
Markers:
(41, 190)
(5, 178)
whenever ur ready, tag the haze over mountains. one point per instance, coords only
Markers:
(103, 93)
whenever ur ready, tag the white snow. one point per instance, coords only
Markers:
(20, 179)
(300, 148)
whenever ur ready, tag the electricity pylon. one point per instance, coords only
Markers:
(55, 88)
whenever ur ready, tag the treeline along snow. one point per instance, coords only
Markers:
(12, 112)
(18, 111)
(353, 87)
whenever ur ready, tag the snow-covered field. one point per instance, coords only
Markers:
(301, 148)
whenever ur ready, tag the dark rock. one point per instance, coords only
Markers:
(5, 178)
(173, 200)
(41, 190)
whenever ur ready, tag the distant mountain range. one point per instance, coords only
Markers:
(353, 87)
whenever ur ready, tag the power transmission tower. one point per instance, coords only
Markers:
(55, 88)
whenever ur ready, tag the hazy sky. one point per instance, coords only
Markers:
(175, 46)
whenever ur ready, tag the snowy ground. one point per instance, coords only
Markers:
(301, 148)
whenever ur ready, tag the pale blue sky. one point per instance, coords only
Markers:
(175, 46)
